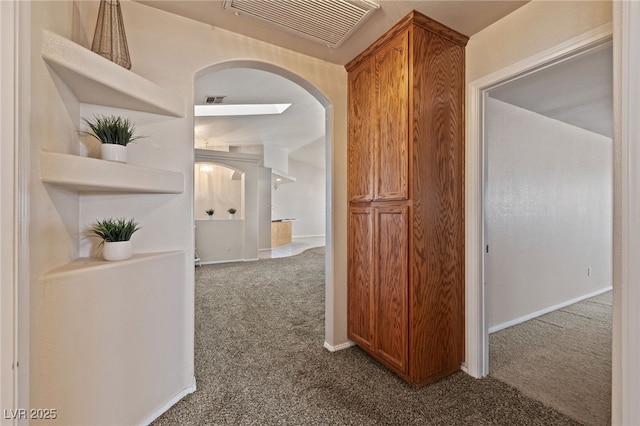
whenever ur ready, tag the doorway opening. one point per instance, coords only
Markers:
(534, 217)
(289, 145)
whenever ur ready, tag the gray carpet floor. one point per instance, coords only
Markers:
(259, 360)
(562, 358)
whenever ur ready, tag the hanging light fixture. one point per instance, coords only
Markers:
(109, 39)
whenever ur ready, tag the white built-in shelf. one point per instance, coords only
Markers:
(92, 265)
(84, 174)
(96, 80)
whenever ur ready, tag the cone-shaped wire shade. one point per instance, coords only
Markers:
(109, 39)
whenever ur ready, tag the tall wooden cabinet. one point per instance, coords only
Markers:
(406, 199)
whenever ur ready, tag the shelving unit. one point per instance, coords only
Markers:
(98, 81)
(84, 174)
(110, 329)
(83, 265)
(95, 80)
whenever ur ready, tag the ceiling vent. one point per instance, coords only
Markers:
(329, 22)
(213, 99)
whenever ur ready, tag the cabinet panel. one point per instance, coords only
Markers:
(360, 287)
(362, 134)
(392, 165)
(417, 205)
(437, 320)
(392, 285)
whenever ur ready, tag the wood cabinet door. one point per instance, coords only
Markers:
(391, 316)
(360, 296)
(362, 132)
(392, 164)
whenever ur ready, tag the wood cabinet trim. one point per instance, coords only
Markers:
(431, 325)
(413, 17)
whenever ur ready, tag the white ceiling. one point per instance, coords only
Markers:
(301, 128)
(467, 17)
(577, 91)
(301, 125)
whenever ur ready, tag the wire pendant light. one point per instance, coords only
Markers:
(109, 39)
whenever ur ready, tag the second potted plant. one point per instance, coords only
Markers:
(116, 237)
(210, 212)
(114, 132)
(232, 213)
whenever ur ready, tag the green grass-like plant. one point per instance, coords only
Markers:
(232, 210)
(112, 129)
(111, 230)
(210, 212)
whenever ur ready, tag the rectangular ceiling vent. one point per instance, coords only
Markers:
(329, 22)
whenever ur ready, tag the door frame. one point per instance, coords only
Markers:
(477, 335)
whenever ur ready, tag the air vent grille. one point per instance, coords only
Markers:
(329, 22)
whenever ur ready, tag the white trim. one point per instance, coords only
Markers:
(477, 348)
(8, 248)
(215, 262)
(341, 346)
(165, 407)
(626, 337)
(546, 311)
(308, 236)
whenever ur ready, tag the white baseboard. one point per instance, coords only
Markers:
(545, 311)
(160, 411)
(215, 262)
(339, 347)
(307, 236)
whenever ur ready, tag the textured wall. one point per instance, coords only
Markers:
(549, 212)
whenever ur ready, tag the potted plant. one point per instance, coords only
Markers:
(232, 213)
(210, 212)
(114, 132)
(116, 237)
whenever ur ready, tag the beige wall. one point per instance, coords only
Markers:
(169, 51)
(533, 28)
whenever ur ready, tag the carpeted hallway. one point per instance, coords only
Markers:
(260, 361)
(562, 358)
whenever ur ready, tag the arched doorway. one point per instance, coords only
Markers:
(325, 121)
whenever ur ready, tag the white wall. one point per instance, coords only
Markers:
(246, 236)
(101, 359)
(220, 240)
(169, 51)
(548, 213)
(303, 199)
(264, 208)
(500, 50)
(217, 190)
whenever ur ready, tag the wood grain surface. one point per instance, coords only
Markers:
(362, 134)
(391, 333)
(406, 239)
(392, 78)
(360, 296)
(437, 311)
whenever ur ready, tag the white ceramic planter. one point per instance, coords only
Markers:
(117, 250)
(232, 216)
(210, 217)
(114, 152)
